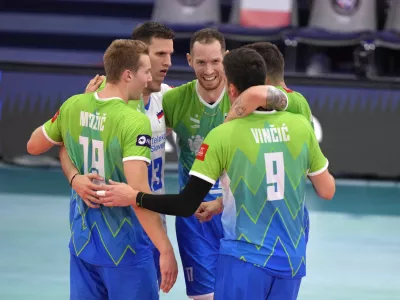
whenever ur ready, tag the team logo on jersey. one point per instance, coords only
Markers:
(195, 142)
(201, 154)
(191, 2)
(143, 140)
(345, 7)
(160, 115)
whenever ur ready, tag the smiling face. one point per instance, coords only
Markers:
(160, 58)
(206, 60)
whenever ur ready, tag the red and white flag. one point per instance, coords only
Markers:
(265, 13)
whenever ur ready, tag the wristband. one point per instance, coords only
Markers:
(70, 183)
(139, 198)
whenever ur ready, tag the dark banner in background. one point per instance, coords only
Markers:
(357, 127)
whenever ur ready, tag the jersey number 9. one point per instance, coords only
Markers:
(275, 175)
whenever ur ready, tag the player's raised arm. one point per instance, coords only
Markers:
(265, 96)
(95, 83)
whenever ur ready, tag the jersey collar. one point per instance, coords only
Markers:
(148, 104)
(205, 102)
(261, 112)
(96, 95)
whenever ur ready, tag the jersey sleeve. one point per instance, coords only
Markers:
(298, 105)
(318, 162)
(52, 128)
(209, 163)
(136, 142)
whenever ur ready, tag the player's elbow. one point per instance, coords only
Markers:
(186, 214)
(33, 148)
(189, 211)
(328, 191)
(190, 207)
(327, 194)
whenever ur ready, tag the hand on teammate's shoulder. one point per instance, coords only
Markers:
(94, 83)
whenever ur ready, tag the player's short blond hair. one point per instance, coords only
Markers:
(123, 55)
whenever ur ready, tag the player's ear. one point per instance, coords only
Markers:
(226, 52)
(236, 91)
(127, 75)
(189, 59)
(232, 91)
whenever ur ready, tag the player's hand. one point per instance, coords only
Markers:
(207, 210)
(94, 84)
(169, 270)
(86, 189)
(118, 194)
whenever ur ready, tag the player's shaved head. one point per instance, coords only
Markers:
(149, 30)
(244, 68)
(208, 36)
(273, 59)
(123, 55)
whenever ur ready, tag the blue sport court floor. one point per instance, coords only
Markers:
(353, 252)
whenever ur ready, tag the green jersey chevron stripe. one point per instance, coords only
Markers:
(100, 134)
(266, 157)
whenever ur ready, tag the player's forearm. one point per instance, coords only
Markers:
(264, 96)
(152, 225)
(239, 109)
(184, 204)
(248, 102)
(67, 166)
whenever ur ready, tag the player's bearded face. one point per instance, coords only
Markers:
(160, 57)
(206, 60)
(140, 79)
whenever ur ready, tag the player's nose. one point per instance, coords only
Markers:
(209, 70)
(168, 61)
